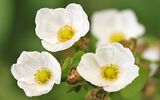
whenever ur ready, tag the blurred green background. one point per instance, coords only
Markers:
(17, 33)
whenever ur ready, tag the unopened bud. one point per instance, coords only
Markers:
(73, 76)
(150, 89)
(83, 43)
(131, 44)
(97, 94)
(140, 48)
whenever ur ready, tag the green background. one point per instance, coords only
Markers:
(17, 33)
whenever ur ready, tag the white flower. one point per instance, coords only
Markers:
(113, 26)
(152, 54)
(36, 73)
(153, 69)
(60, 28)
(111, 67)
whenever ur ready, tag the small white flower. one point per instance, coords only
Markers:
(153, 69)
(113, 26)
(60, 28)
(152, 54)
(36, 73)
(111, 67)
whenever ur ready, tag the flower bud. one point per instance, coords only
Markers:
(131, 44)
(73, 76)
(83, 43)
(150, 89)
(97, 94)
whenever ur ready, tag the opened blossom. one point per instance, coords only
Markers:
(112, 67)
(36, 73)
(111, 26)
(60, 28)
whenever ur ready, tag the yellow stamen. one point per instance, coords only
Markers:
(117, 37)
(65, 33)
(42, 76)
(110, 72)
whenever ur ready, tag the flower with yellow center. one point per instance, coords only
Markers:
(110, 72)
(60, 28)
(36, 73)
(111, 67)
(43, 75)
(117, 37)
(66, 33)
(114, 26)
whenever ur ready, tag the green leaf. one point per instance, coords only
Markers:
(66, 67)
(75, 87)
(70, 63)
(118, 96)
(137, 85)
(115, 96)
(76, 58)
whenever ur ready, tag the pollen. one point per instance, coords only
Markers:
(110, 72)
(42, 76)
(66, 33)
(117, 37)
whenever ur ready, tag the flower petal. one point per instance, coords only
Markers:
(152, 54)
(25, 56)
(23, 72)
(26, 66)
(78, 18)
(53, 64)
(104, 22)
(127, 76)
(59, 46)
(131, 27)
(89, 69)
(153, 69)
(34, 89)
(49, 21)
(113, 53)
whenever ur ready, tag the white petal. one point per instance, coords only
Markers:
(23, 72)
(128, 74)
(25, 56)
(54, 65)
(104, 23)
(151, 54)
(153, 69)
(49, 21)
(34, 89)
(113, 54)
(89, 69)
(78, 18)
(131, 26)
(26, 66)
(59, 46)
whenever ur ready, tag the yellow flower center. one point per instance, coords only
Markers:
(42, 76)
(117, 37)
(110, 72)
(65, 33)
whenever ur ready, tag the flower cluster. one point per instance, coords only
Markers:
(112, 66)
